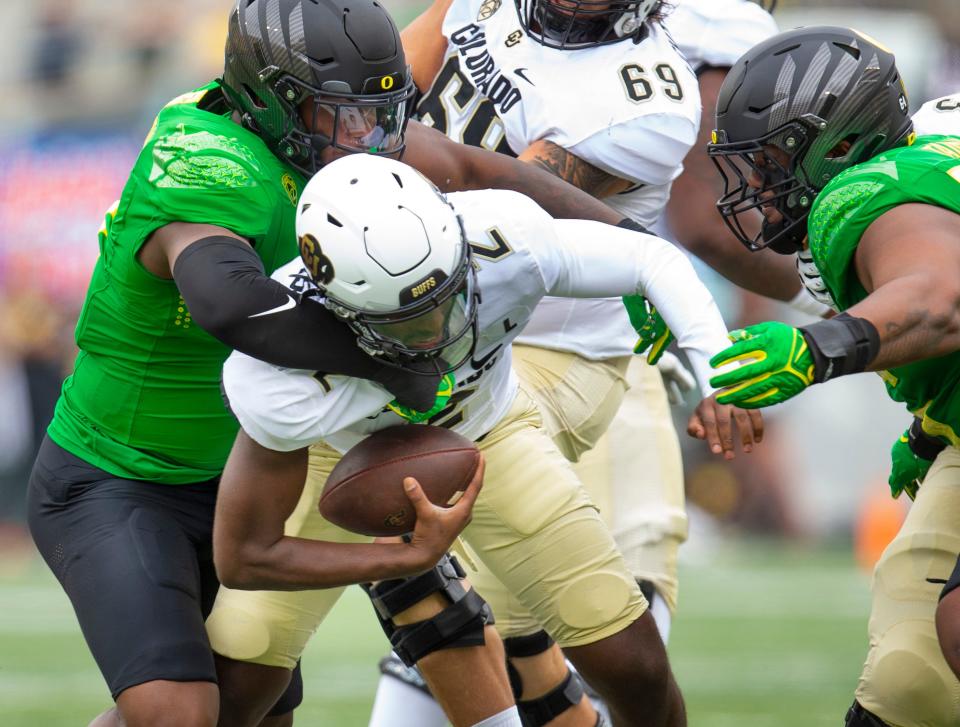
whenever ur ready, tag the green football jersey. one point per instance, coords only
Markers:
(144, 399)
(927, 172)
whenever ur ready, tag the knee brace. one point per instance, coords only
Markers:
(857, 716)
(460, 624)
(540, 711)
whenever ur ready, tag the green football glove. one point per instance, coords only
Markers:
(650, 327)
(907, 470)
(444, 392)
(783, 366)
(911, 457)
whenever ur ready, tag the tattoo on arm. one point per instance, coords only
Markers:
(571, 168)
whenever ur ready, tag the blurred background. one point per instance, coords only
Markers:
(774, 596)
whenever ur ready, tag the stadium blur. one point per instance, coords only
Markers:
(771, 628)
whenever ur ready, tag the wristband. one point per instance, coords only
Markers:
(840, 346)
(924, 445)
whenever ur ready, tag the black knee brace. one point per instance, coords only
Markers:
(459, 624)
(857, 716)
(540, 711)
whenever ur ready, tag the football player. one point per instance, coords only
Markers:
(121, 496)
(443, 285)
(819, 119)
(489, 75)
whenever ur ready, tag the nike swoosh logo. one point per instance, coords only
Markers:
(480, 363)
(285, 306)
(520, 72)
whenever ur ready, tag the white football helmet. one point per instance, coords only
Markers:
(389, 255)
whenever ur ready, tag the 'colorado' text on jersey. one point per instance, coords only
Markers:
(629, 109)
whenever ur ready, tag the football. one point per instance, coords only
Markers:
(364, 492)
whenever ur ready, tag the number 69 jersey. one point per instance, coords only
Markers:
(521, 255)
(630, 109)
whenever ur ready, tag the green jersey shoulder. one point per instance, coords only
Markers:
(144, 399)
(926, 172)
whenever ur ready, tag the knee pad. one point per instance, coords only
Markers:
(391, 666)
(857, 716)
(540, 711)
(460, 624)
(906, 680)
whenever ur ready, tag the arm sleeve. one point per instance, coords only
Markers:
(592, 260)
(223, 283)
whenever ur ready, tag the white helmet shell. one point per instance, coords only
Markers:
(385, 248)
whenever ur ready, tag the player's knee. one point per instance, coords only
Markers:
(542, 684)
(906, 680)
(858, 716)
(194, 709)
(459, 621)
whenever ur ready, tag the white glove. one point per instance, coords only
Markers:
(676, 378)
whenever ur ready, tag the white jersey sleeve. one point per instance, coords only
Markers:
(715, 33)
(939, 116)
(592, 260)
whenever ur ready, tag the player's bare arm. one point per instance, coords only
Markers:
(571, 168)
(908, 260)
(424, 44)
(160, 252)
(457, 167)
(694, 221)
(258, 491)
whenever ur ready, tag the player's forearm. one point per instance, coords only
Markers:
(296, 564)
(917, 317)
(457, 167)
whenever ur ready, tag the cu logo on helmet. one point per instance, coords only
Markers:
(318, 264)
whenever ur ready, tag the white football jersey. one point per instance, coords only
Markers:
(715, 33)
(630, 109)
(939, 116)
(521, 255)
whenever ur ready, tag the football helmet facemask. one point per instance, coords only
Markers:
(390, 258)
(319, 74)
(792, 113)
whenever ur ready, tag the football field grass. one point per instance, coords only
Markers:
(767, 635)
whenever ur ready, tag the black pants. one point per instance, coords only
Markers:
(136, 560)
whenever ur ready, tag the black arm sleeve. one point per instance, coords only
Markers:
(229, 295)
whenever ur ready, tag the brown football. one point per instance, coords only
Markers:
(364, 492)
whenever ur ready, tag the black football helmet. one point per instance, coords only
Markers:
(344, 55)
(827, 98)
(573, 24)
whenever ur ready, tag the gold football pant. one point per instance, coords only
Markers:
(614, 417)
(905, 680)
(534, 527)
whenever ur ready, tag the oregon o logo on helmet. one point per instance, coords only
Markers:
(386, 83)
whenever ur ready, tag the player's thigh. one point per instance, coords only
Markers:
(906, 680)
(134, 558)
(537, 531)
(512, 618)
(635, 475)
(273, 627)
(577, 397)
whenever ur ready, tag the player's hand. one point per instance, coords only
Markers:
(715, 422)
(437, 527)
(676, 378)
(650, 327)
(442, 396)
(782, 366)
(911, 456)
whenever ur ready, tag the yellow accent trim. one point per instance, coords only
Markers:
(873, 40)
(713, 136)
